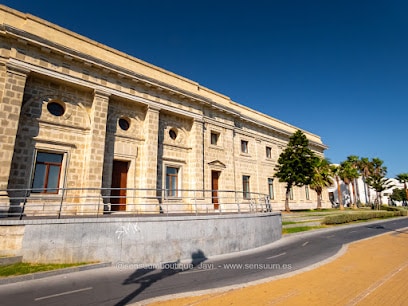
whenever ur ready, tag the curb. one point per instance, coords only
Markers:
(38, 275)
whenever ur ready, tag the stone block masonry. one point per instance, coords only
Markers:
(77, 114)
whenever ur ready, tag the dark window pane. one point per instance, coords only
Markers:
(214, 138)
(172, 170)
(171, 181)
(53, 178)
(245, 187)
(47, 172)
(55, 108)
(39, 177)
(49, 157)
(173, 134)
(124, 124)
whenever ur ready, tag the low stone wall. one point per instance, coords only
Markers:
(11, 239)
(143, 240)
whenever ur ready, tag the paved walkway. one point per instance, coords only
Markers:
(369, 272)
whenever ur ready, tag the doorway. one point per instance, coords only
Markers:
(119, 180)
(215, 175)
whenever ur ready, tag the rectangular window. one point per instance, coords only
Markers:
(268, 152)
(214, 138)
(47, 172)
(245, 187)
(307, 192)
(291, 194)
(270, 188)
(172, 181)
(244, 146)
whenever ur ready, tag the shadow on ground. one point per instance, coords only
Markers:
(146, 278)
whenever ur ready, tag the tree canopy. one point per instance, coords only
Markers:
(295, 164)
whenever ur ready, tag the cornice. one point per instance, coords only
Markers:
(121, 72)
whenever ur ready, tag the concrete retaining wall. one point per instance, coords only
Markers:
(144, 240)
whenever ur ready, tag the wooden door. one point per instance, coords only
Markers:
(214, 188)
(119, 180)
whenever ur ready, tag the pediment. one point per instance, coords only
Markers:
(217, 164)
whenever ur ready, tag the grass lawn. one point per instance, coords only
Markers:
(27, 268)
(298, 229)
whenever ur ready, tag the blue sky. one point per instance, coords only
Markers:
(338, 69)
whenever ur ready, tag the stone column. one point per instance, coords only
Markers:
(148, 162)
(12, 84)
(92, 202)
(196, 162)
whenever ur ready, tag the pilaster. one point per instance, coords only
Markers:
(148, 159)
(11, 98)
(196, 163)
(94, 154)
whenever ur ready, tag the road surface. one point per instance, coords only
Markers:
(131, 282)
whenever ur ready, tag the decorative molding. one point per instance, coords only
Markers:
(216, 164)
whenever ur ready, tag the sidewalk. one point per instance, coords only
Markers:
(368, 272)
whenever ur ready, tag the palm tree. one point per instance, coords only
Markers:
(403, 178)
(335, 170)
(377, 179)
(378, 168)
(365, 168)
(353, 160)
(322, 178)
(379, 184)
(348, 173)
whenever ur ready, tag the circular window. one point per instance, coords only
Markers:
(55, 108)
(124, 124)
(172, 134)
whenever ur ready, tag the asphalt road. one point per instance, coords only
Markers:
(129, 282)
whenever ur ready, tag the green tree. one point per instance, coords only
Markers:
(336, 169)
(403, 178)
(295, 164)
(377, 179)
(354, 160)
(379, 184)
(322, 178)
(378, 168)
(365, 168)
(348, 173)
(398, 195)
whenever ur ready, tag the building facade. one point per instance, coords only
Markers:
(361, 193)
(78, 118)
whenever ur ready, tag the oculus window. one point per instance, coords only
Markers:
(173, 134)
(56, 108)
(124, 123)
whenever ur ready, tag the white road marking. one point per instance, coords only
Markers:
(197, 270)
(281, 254)
(304, 244)
(62, 293)
(376, 285)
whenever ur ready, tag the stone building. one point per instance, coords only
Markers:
(78, 118)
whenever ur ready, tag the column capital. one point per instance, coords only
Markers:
(151, 108)
(199, 120)
(18, 70)
(102, 93)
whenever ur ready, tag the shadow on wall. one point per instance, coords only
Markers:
(149, 275)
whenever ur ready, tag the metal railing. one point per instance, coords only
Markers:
(104, 202)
